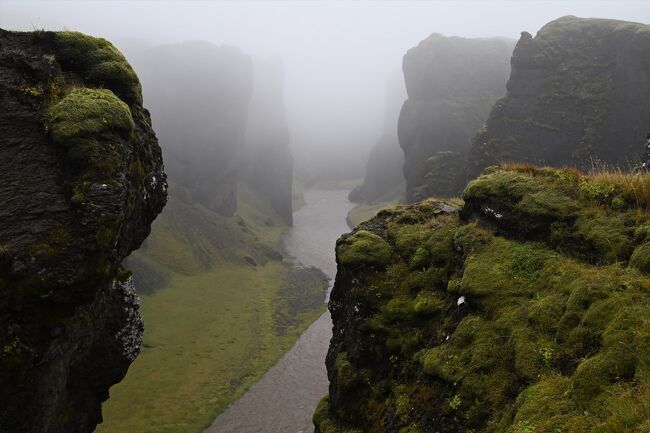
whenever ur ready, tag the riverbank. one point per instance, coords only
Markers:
(226, 309)
(284, 399)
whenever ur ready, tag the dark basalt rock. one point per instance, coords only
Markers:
(452, 84)
(577, 94)
(81, 180)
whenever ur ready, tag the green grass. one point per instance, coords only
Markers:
(213, 330)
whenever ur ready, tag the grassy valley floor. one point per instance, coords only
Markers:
(226, 312)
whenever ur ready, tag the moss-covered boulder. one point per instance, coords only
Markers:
(81, 180)
(524, 309)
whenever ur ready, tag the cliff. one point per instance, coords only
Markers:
(452, 84)
(199, 94)
(525, 308)
(81, 180)
(577, 93)
(384, 177)
(267, 164)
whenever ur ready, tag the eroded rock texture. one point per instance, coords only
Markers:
(577, 94)
(81, 180)
(452, 84)
(525, 309)
(199, 95)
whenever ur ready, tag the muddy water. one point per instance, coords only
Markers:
(283, 400)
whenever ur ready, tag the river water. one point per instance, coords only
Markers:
(283, 400)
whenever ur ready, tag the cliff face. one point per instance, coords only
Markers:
(525, 309)
(199, 95)
(267, 164)
(451, 83)
(384, 178)
(577, 93)
(81, 180)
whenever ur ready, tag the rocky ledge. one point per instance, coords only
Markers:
(81, 180)
(524, 308)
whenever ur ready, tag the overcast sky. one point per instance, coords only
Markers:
(337, 54)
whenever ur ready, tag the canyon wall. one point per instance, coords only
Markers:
(452, 84)
(81, 180)
(577, 94)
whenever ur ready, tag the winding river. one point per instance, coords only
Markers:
(283, 400)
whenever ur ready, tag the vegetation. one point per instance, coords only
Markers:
(535, 319)
(93, 125)
(217, 323)
(101, 64)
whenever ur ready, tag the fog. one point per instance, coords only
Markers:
(337, 56)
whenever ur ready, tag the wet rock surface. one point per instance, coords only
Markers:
(81, 180)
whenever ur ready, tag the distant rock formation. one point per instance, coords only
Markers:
(199, 94)
(384, 178)
(81, 180)
(452, 83)
(578, 93)
(267, 164)
(524, 308)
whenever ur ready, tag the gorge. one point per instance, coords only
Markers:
(491, 268)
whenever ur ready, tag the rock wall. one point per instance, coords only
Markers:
(577, 94)
(384, 178)
(452, 84)
(525, 309)
(81, 180)
(199, 95)
(267, 164)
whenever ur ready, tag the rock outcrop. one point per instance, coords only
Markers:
(81, 180)
(199, 94)
(577, 94)
(267, 164)
(384, 178)
(452, 83)
(525, 309)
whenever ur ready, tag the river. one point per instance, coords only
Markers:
(283, 400)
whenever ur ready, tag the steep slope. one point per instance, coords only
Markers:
(81, 180)
(452, 84)
(525, 309)
(577, 93)
(267, 164)
(199, 94)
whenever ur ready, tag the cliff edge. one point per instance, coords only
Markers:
(81, 180)
(525, 308)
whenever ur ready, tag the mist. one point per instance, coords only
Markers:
(337, 56)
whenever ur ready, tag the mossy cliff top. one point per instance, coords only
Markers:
(81, 180)
(524, 309)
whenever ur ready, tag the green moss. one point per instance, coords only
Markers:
(102, 64)
(323, 421)
(640, 258)
(363, 247)
(92, 124)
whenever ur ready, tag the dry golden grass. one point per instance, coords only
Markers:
(634, 187)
